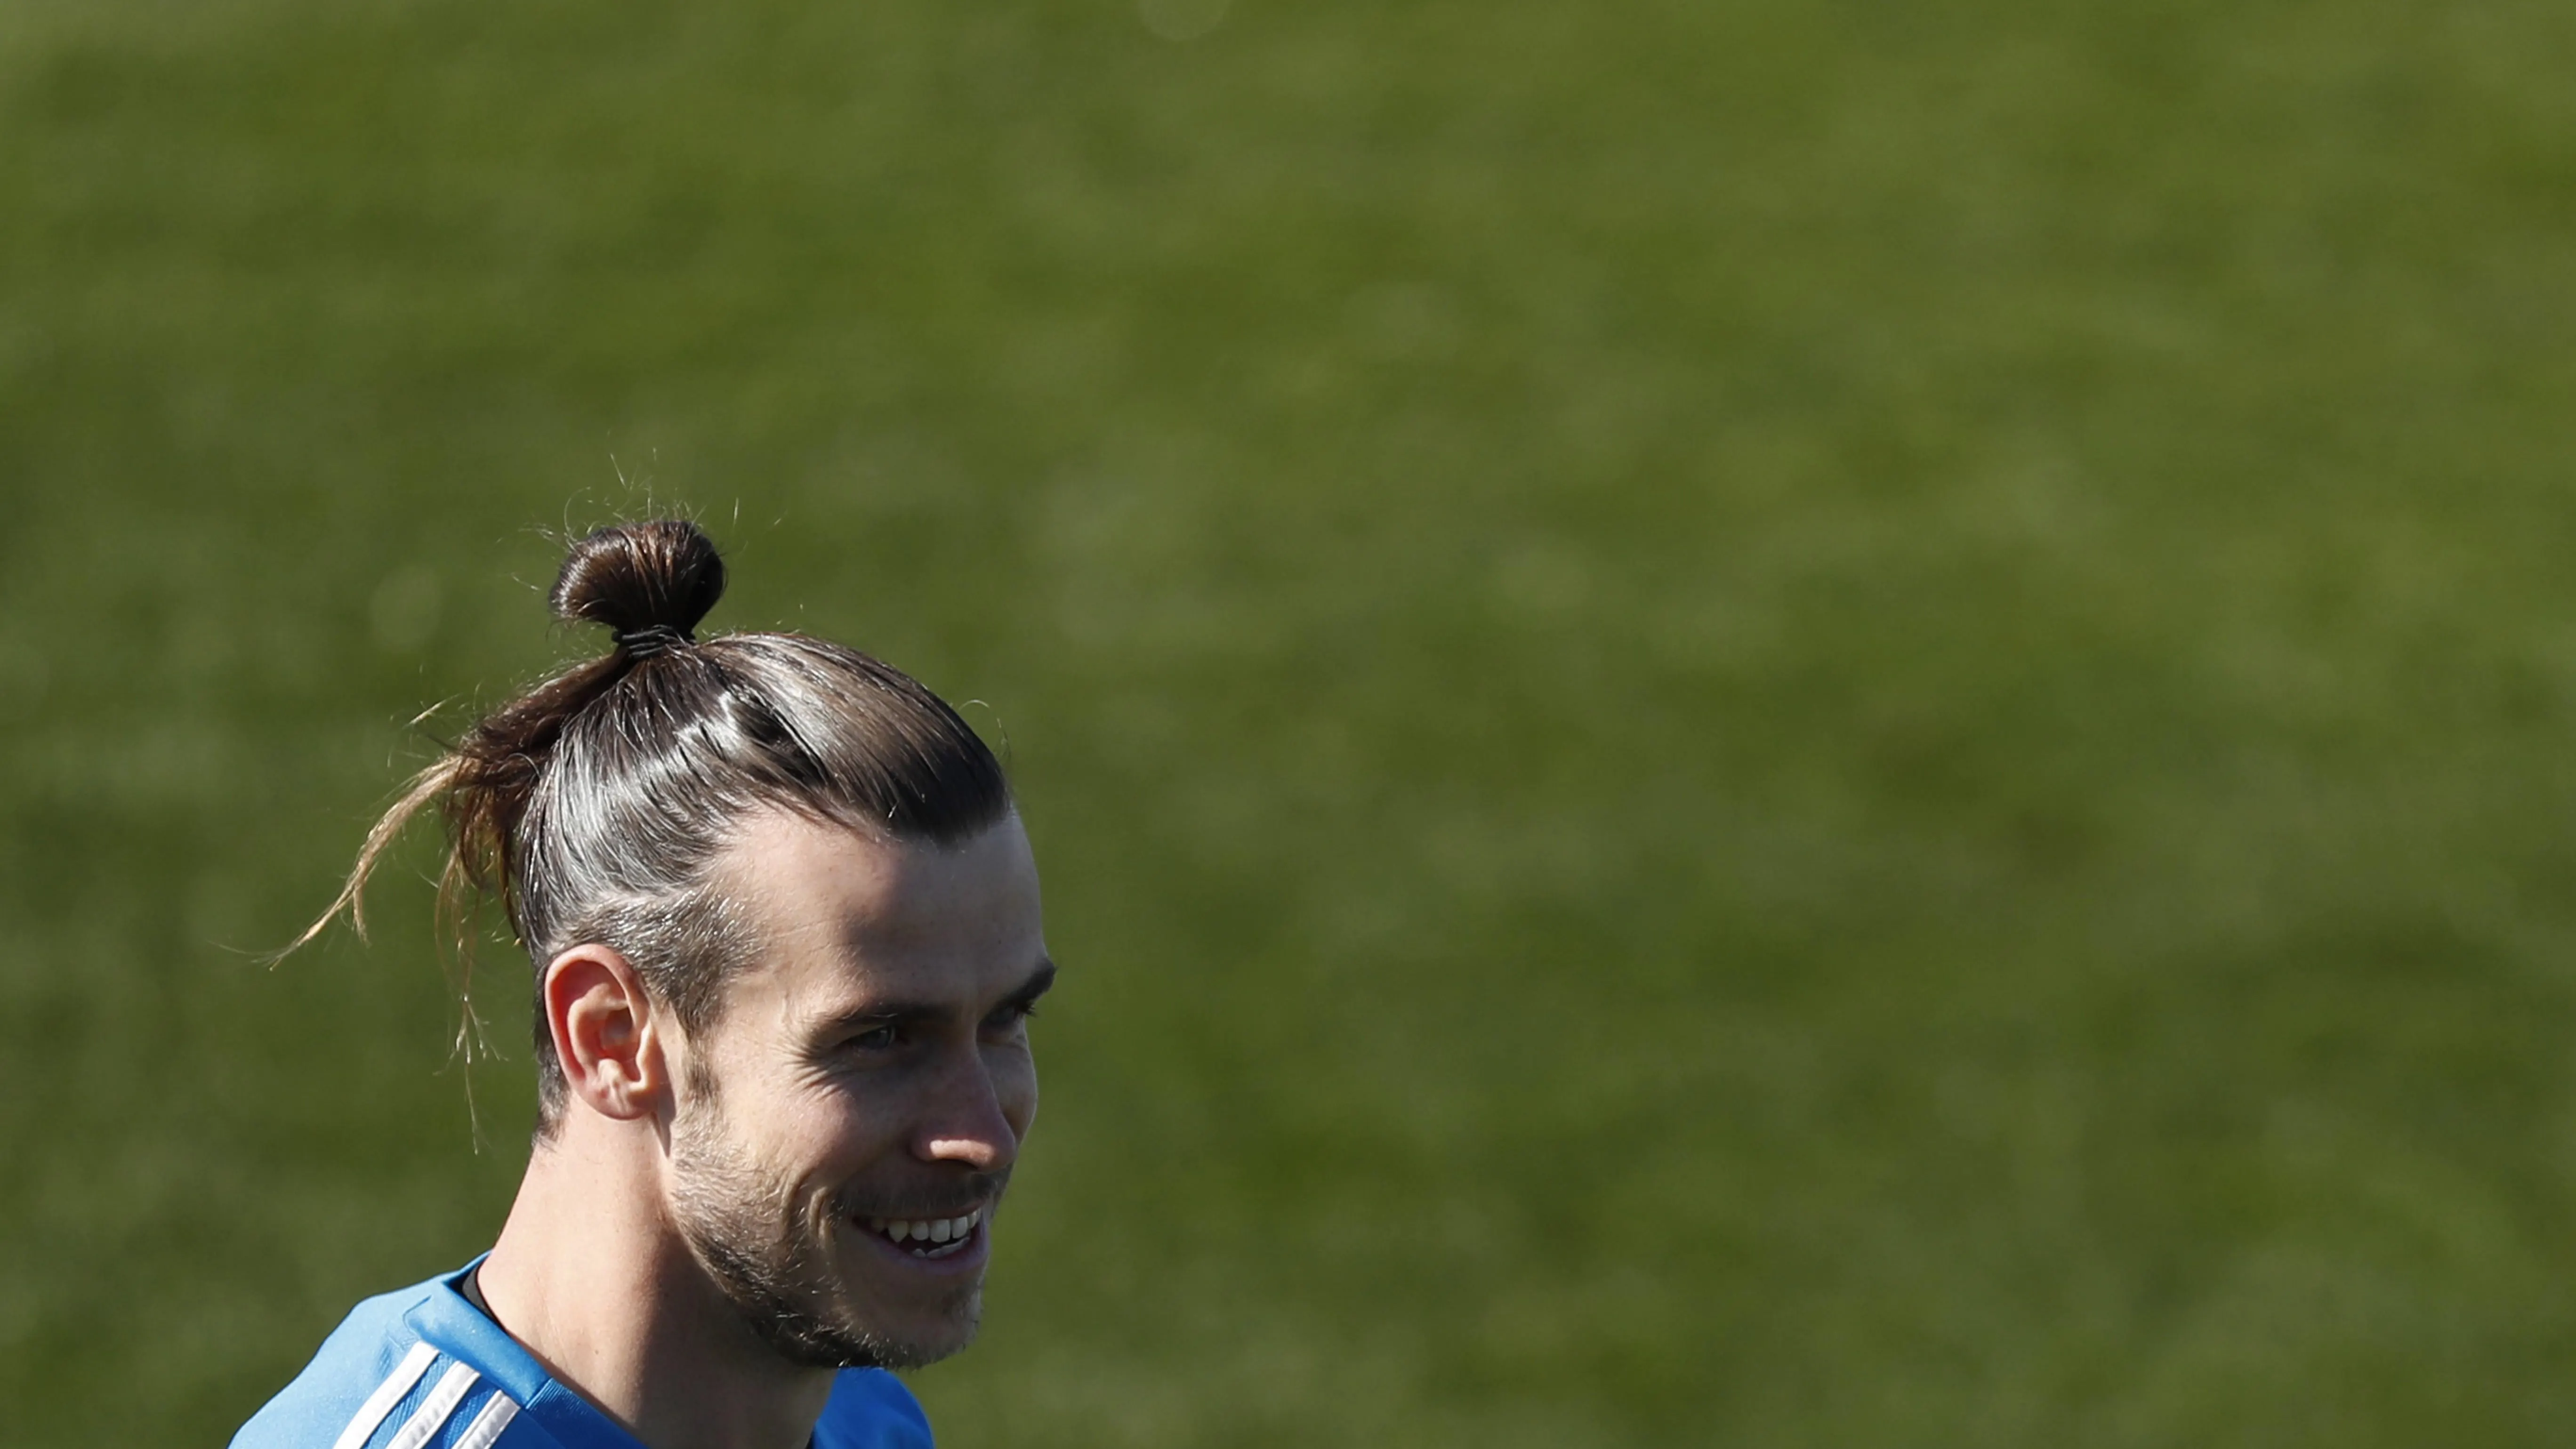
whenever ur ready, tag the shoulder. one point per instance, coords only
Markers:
(871, 1409)
(377, 1382)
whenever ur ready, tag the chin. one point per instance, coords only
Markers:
(919, 1352)
(923, 1336)
(836, 1341)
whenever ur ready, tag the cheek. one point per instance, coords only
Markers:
(801, 1139)
(1015, 1087)
(835, 1134)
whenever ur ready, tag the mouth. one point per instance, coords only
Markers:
(931, 1238)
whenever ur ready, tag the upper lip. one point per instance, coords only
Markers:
(910, 1213)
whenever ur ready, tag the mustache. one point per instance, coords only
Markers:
(954, 1198)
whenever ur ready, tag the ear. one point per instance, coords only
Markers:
(604, 1030)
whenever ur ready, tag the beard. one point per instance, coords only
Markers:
(774, 1257)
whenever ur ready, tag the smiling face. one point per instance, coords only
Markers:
(846, 1127)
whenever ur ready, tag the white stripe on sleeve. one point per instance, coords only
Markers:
(389, 1393)
(433, 1411)
(487, 1426)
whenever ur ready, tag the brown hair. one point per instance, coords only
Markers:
(593, 807)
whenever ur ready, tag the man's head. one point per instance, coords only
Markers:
(783, 915)
(839, 1134)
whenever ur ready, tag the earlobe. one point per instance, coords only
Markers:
(603, 1027)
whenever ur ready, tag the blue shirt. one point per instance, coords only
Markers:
(422, 1368)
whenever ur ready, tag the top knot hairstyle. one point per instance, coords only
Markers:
(650, 583)
(593, 807)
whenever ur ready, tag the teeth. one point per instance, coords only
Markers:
(927, 1230)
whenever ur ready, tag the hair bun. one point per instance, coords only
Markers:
(657, 579)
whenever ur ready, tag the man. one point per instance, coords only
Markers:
(786, 932)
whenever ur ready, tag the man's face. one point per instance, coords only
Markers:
(847, 1125)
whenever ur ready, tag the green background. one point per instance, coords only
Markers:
(1750, 724)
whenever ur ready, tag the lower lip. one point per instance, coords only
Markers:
(961, 1260)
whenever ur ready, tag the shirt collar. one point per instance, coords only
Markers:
(447, 1322)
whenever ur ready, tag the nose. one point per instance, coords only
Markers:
(967, 1122)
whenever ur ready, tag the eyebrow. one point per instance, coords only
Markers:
(913, 1013)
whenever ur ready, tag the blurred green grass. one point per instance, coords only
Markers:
(1749, 724)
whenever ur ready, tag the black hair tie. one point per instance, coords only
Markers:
(652, 639)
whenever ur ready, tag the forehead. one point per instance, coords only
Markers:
(841, 916)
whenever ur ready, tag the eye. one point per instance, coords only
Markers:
(1010, 1015)
(875, 1039)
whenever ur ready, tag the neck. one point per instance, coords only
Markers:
(591, 1277)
